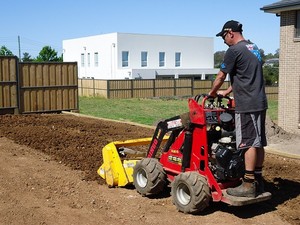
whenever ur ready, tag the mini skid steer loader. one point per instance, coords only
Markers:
(194, 152)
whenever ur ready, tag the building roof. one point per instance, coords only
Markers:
(281, 6)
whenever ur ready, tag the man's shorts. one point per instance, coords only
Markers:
(250, 130)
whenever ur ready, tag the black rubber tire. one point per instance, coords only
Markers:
(149, 177)
(190, 192)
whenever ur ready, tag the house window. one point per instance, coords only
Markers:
(177, 59)
(298, 24)
(82, 59)
(125, 56)
(161, 59)
(96, 59)
(144, 59)
(89, 59)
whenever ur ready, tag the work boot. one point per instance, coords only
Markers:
(246, 189)
(260, 186)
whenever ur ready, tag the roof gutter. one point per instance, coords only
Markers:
(282, 6)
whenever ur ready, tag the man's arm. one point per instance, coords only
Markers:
(221, 76)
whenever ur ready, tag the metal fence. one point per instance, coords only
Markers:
(150, 88)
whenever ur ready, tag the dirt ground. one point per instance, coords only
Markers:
(48, 176)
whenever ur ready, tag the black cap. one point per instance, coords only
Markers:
(232, 25)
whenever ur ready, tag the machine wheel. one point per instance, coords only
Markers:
(190, 192)
(149, 177)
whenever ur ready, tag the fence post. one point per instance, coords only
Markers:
(108, 91)
(18, 88)
(131, 85)
(174, 85)
(81, 87)
(153, 87)
(94, 90)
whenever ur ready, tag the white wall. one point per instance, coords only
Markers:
(103, 44)
(196, 53)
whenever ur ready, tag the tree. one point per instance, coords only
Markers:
(5, 51)
(47, 54)
(27, 57)
(277, 54)
(262, 54)
(218, 58)
(271, 74)
(271, 71)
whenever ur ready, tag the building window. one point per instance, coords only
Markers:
(125, 56)
(298, 24)
(89, 59)
(162, 59)
(177, 59)
(144, 59)
(82, 59)
(96, 59)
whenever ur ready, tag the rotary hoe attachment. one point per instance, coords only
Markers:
(119, 159)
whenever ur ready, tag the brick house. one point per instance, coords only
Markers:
(289, 61)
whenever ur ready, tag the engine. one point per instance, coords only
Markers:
(226, 162)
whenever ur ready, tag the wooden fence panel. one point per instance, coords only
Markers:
(272, 92)
(92, 87)
(48, 87)
(9, 102)
(120, 89)
(164, 88)
(152, 88)
(143, 88)
(86, 87)
(143, 93)
(201, 86)
(184, 87)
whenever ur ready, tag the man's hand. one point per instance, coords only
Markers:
(212, 94)
(217, 83)
(222, 93)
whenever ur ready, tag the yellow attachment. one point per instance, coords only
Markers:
(117, 171)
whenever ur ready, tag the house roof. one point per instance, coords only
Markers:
(281, 6)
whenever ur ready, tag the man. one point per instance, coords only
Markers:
(242, 61)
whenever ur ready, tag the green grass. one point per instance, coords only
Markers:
(273, 110)
(143, 111)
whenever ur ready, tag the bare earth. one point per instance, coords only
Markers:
(48, 176)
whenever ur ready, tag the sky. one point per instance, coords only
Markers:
(40, 23)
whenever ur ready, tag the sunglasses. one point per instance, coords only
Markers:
(224, 35)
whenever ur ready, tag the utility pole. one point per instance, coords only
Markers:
(19, 44)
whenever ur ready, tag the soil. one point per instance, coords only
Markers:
(48, 176)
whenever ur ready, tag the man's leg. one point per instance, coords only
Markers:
(248, 187)
(258, 170)
(251, 159)
(260, 157)
(261, 127)
(246, 135)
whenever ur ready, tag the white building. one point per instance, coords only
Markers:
(140, 56)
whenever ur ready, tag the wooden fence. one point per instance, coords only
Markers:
(151, 88)
(9, 102)
(37, 87)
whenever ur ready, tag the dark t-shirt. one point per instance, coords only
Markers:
(242, 62)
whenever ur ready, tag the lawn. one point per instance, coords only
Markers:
(143, 111)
